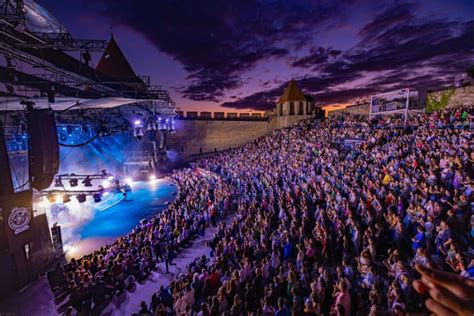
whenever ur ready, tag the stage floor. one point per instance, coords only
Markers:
(88, 226)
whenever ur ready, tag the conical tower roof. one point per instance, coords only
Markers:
(114, 63)
(292, 93)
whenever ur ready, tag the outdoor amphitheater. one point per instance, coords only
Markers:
(119, 196)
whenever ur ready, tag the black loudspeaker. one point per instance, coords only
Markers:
(6, 184)
(44, 148)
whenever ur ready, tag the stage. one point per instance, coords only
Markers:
(87, 226)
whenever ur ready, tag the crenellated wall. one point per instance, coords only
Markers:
(194, 137)
(360, 109)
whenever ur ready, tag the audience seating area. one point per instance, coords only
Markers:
(316, 228)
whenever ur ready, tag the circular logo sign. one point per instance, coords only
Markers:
(19, 219)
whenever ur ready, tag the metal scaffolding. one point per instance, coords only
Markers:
(48, 50)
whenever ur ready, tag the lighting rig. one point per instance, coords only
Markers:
(86, 178)
(109, 184)
(59, 196)
(155, 123)
(54, 78)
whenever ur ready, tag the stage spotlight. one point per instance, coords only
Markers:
(66, 199)
(138, 122)
(173, 127)
(138, 133)
(105, 184)
(151, 127)
(97, 197)
(110, 178)
(58, 182)
(128, 181)
(105, 193)
(152, 177)
(81, 198)
(73, 182)
(87, 182)
(51, 198)
(59, 198)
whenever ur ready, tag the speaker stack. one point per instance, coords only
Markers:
(44, 147)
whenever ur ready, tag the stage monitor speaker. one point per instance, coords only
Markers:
(44, 148)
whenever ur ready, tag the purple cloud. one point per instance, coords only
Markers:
(217, 42)
(396, 47)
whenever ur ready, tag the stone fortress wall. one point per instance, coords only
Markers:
(197, 137)
(205, 133)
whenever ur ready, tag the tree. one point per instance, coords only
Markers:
(470, 72)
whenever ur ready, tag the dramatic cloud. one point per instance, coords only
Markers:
(218, 41)
(317, 56)
(392, 17)
(396, 49)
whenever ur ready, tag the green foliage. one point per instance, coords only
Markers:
(435, 104)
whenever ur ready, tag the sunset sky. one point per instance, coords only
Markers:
(233, 54)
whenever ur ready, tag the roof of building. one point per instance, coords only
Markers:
(113, 63)
(292, 93)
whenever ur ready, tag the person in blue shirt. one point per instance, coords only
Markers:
(287, 250)
(420, 239)
(282, 309)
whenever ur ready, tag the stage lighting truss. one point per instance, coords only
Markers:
(81, 196)
(86, 179)
(109, 184)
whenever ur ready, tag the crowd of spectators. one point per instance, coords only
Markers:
(317, 229)
(324, 231)
(90, 283)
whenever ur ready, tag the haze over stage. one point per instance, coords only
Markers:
(89, 226)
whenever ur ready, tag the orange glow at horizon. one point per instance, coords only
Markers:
(336, 106)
